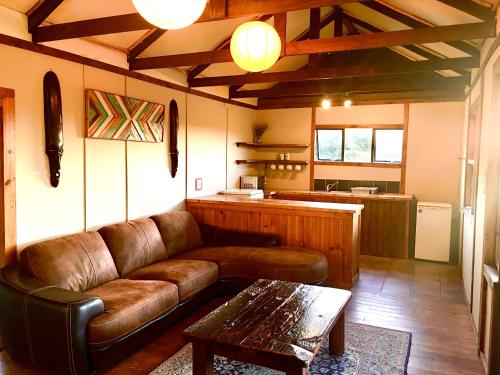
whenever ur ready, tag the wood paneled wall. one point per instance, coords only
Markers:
(334, 234)
(386, 227)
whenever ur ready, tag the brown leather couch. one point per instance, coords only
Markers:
(73, 298)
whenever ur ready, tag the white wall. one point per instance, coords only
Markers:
(212, 132)
(433, 156)
(104, 181)
(286, 126)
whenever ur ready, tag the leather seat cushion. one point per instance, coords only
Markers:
(128, 305)
(134, 244)
(179, 231)
(280, 263)
(190, 276)
(77, 262)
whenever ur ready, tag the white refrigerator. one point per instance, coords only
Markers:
(433, 233)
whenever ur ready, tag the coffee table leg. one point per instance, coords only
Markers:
(203, 360)
(297, 371)
(337, 335)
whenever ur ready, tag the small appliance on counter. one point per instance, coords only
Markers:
(251, 193)
(252, 182)
(364, 190)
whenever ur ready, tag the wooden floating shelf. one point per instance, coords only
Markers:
(277, 162)
(272, 145)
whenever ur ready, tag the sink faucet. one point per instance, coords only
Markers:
(330, 187)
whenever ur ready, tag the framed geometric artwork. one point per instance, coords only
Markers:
(111, 116)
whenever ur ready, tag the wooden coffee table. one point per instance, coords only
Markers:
(276, 324)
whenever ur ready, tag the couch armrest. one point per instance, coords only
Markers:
(45, 325)
(215, 236)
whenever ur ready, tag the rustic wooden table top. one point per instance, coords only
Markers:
(286, 319)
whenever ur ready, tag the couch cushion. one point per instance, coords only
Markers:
(77, 262)
(190, 276)
(179, 231)
(134, 244)
(279, 263)
(128, 305)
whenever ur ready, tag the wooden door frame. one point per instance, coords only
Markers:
(8, 236)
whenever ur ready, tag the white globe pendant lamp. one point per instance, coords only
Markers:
(170, 14)
(255, 46)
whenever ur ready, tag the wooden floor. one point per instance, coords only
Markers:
(423, 298)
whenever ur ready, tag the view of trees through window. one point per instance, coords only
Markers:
(329, 145)
(359, 145)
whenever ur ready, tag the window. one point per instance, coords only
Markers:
(388, 146)
(360, 144)
(329, 144)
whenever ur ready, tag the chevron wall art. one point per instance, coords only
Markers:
(110, 116)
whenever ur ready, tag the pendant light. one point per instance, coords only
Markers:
(170, 14)
(255, 46)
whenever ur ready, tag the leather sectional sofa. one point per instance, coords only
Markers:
(74, 299)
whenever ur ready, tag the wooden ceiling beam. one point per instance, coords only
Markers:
(365, 98)
(416, 24)
(142, 44)
(280, 26)
(39, 14)
(344, 43)
(436, 34)
(346, 71)
(415, 49)
(472, 8)
(216, 10)
(315, 30)
(408, 82)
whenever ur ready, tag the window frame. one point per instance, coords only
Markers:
(373, 163)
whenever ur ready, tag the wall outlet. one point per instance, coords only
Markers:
(198, 184)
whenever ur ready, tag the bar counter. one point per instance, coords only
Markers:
(331, 228)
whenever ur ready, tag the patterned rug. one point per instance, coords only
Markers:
(369, 351)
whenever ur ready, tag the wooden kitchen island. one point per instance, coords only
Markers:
(388, 220)
(330, 228)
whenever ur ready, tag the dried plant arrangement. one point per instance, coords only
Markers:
(259, 129)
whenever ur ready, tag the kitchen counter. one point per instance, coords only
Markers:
(387, 220)
(345, 194)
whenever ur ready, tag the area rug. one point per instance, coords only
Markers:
(369, 351)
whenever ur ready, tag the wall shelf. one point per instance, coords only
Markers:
(272, 145)
(277, 162)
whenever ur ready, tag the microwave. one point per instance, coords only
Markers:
(252, 182)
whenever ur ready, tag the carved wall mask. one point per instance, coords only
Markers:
(53, 125)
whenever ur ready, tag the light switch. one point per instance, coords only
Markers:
(198, 184)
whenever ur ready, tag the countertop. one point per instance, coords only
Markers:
(277, 203)
(342, 194)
